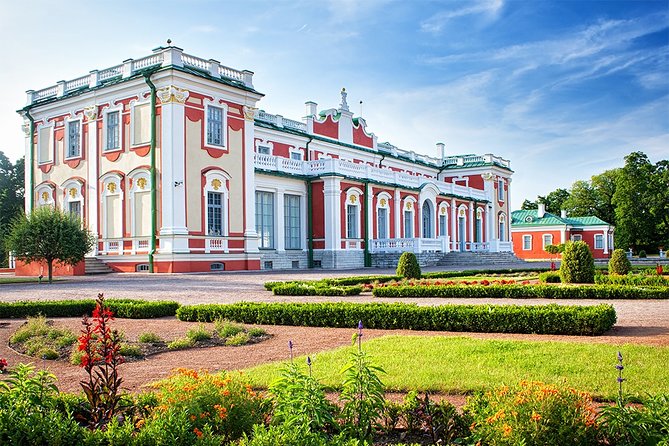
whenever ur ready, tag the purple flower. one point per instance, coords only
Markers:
(309, 361)
(290, 345)
(620, 357)
(619, 366)
(620, 379)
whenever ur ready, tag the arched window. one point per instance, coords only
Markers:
(353, 213)
(46, 194)
(383, 216)
(409, 209)
(216, 197)
(479, 225)
(462, 227)
(427, 216)
(502, 227)
(140, 208)
(73, 201)
(443, 219)
(112, 212)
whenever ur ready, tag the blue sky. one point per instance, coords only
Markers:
(564, 89)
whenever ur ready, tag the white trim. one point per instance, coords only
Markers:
(527, 237)
(68, 122)
(105, 116)
(106, 180)
(51, 194)
(50, 127)
(68, 198)
(385, 196)
(296, 151)
(224, 123)
(134, 105)
(601, 237)
(263, 143)
(543, 240)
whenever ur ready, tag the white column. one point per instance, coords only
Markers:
(398, 214)
(173, 233)
(281, 227)
(369, 218)
(454, 232)
(93, 202)
(606, 241)
(29, 164)
(507, 226)
(471, 224)
(332, 207)
(250, 234)
(563, 235)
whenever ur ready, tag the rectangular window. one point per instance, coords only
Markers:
(291, 212)
(527, 243)
(214, 213)
(408, 224)
(265, 219)
(141, 124)
(442, 225)
(352, 221)
(479, 230)
(73, 139)
(296, 156)
(599, 241)
(45, 144)
(576, 238)
(548, 239)
(382, 223)
(113, 139)
(74, 208)
(215, 126)
(264, 150)
(500, 190)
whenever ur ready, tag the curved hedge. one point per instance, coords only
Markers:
(634, 279)
(314, 289)
(525, 291)
(541, 319)
(123, 308)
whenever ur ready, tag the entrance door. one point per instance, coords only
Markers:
(462, 232)
(427, 220)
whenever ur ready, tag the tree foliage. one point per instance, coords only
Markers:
(619, 263)
(578, 265)
(11, 198)
(49, 235)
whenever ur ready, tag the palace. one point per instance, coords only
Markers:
(169, 162)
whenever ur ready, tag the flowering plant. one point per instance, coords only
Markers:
(3, 365)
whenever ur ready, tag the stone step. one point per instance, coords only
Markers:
(93, 265)
(451, 259)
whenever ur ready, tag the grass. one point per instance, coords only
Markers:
(464, 365)
(22, 280)
(198, 333)
(41, 340)
(149, 338)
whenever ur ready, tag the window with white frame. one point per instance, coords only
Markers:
(73, 139)
(265, 219)
(547, 240)
(382, 223)
(112, 126)
(408, 223)
(502, 227)
(296, 155)
(141, 124)
(215, 126)
(45, 195)
(112, 207)
(527, 243)
(215, 213)
(599, 241)
(576, 238)
(352, 219)
(264, 150)
(443, 220)
(74, 209)
(73, 200)
(45, 144)
(479, 226)
(500, 190)
(292, 222)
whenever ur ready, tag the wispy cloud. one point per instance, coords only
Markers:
(487, 8)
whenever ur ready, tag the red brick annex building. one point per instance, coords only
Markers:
(170, 163)
(532, 230)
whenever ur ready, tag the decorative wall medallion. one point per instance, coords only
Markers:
(91, 112)
(462, 212)
(487, 176)
(111, 187)
(353, 199)
(249, 112)
(45, 197)
(383, 202)
(172, 94)
(216, 183)
(141, 183)
(409, 205)
(479, 214)
(73, 192)
(443, 211)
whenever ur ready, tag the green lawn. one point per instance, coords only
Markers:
(463, 365)
(21, 280)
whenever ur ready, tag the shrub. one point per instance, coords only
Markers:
(125, 308)
(238, 339)
(642, 254)
(632, 425)
(549, 277)
(226, 328)
(578, 265)
(131, 350)
(180, 344)
(619, 263)
(149, 338)
(408, 267)
(633, 280)
(199, 333)
(533, 413)
(41, 340)
(256, 332)
(314, 289)
(543, 319)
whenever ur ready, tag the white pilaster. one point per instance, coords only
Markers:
(173, 232)
(397, 214)
(471, 223)
(454, 232)
(332, 205)
(606, 241)
(29, 164)
(93, 202)
(250, 234)
(280, 222)
(369, 217)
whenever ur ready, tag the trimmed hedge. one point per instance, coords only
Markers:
(525, 291)
(550, 277)
(541, 319)
(632, 279)
(314, 289)
(408, 266)
(123, 308)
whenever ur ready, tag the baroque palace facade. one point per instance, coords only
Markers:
(169, 162)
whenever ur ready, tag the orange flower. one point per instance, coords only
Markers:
(198, 432)
(535, 416)
(193, 418)
(140, 424)
(507, 430)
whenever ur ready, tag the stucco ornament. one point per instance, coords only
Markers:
(487, 176)
(172, 94)
(216, 183)
(91, 113)
(73, 192)
(111, 187)
(141, 183)
(383, 202)
(409, 205)
(249, 112)
(45, 197)
(353, 199)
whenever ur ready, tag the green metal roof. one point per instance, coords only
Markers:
(530, 218)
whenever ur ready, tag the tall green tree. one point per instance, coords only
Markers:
(49, 235)
(634, 201)
(11, 198)
(554, 201)
(594, 197)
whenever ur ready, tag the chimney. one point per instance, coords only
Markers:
(441, 148)
(563, 214)
(542, 210)
(311, 108)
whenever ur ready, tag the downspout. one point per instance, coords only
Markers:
(368, 257)
(31, 165)
(310, 223)
(152, 170)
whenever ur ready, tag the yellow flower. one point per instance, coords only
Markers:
(507, 430)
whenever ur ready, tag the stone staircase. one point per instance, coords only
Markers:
(96, 266)
(481, 260)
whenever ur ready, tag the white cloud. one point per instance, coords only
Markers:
(488, 8)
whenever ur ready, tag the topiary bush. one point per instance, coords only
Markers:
(408, 266)
(642, 254)
(578, 265)
(619, 263)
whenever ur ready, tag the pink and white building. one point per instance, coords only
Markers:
(171, 164)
